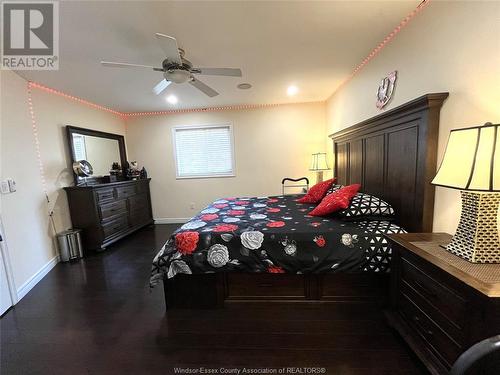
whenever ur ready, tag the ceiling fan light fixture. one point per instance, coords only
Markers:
(177, 69)
(177, 75)
(292, 90)
(172, 99)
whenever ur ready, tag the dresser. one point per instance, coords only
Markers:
(108, 212)
(441, 304)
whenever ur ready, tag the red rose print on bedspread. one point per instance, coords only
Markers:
(275, 224)
(242, 203)
(220, 205)
(235, 212)
(225, 228)
(320, 241)
(273, 209)
(272, 200)
(209, 217)
(186, 242)
(275, 269)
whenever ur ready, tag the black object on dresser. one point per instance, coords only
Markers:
(440, 303)
(109, 212)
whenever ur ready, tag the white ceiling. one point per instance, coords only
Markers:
(314, 45)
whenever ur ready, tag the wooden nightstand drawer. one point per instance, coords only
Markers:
(450, 327)
(438, 341)
(434, 291)
(441, 303)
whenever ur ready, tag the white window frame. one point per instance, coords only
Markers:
(207, 126)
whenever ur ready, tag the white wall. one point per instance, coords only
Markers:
(450, 46)
(25, 212)
(270, 143)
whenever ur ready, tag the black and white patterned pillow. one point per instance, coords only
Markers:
(333, 188)
(363, 205)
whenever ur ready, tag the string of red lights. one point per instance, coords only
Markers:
(124, 116)
(34, 128)
(384, 42)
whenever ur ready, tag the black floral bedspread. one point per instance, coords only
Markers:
(274, 235)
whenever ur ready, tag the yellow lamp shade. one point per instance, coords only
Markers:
(472, 159)
(318, 162)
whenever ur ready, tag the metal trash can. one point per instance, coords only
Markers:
(70, 245)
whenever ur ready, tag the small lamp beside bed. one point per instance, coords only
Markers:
(319, 164)
(471, 163)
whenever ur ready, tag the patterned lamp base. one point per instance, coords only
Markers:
(478, 238)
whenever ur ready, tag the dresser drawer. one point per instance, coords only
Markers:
(108, 210)
(103, 195)
(125, 191)
(139, 216)
(275, 286)
(115, 226)
(435, 291)
(143, 186)
(138, 202)
(436, 340)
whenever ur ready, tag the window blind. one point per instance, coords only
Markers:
(204, 151)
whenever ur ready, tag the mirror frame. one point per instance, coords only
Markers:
(70, 130)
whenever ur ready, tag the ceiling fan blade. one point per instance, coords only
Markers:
(112, 64)
(207, 90)
(162, 85)
(230, 72)
(169, 46)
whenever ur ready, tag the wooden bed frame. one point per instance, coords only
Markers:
(393, 156)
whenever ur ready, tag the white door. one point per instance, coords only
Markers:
(5, 298)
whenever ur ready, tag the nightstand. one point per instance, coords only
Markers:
(441, 304)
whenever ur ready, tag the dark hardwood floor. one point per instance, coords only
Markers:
(99, 317)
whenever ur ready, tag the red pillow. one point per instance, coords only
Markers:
(338, 200)
(317, 192)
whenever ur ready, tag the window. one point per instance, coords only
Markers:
(203, 151)
(79, 147)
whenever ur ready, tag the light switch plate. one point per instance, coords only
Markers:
(4, 185)
(12, 185)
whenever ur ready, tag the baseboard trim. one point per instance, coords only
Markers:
(172, 220)
(35, 279)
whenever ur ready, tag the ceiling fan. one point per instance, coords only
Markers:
(177, 69)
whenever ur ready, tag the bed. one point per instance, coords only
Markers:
(270, 249)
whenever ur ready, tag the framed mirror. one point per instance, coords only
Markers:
(100, 149)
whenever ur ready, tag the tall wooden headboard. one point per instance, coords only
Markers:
(393, 156)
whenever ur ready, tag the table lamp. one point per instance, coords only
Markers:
(471, 163)
(319, 164)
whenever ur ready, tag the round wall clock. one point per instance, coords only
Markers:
(386, 89)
